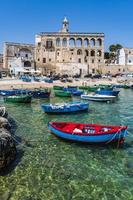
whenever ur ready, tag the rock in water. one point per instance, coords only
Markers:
(4, 123)
(7, 148)
(3, 112)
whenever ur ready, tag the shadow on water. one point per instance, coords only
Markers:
(13, 164)
(20, 152)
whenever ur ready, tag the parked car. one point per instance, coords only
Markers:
(76, 76)
(88, 76)
(97, 76)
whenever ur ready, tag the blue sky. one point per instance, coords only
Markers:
(20, 20)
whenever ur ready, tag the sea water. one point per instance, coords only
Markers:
(50, 168)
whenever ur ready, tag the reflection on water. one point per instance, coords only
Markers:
(53, 169)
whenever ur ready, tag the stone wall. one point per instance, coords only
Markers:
(115, 69)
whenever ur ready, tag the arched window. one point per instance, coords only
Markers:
(58, 42)
(79, 42)
(79, 52)
(86, 42)
(86, 53)
(98, 42)
(99, 53)
(72, 42)
(92, 42)
(64, 42)
(92, 53)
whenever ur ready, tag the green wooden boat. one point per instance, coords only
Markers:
(126, 87)
(83, 87)
(24, 98)
(60, 93)
(58, 87)
(93, 89)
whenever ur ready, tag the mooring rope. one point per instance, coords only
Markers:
(113, 136)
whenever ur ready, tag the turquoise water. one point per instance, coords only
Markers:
(49, 168)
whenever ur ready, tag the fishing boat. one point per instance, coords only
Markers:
(18, 98)
(108, 92)
(40, 93)
(58, 87)
(70, 107)
(93, 89)
(88, 133)
(83, 87)
(60, 93)
(13, 92)
(77, 92)
(72, 87)
(74, 91)
(98, 97)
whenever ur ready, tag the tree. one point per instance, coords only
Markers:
(106, 55)
(113, 52)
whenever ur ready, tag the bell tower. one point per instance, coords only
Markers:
(65, 25)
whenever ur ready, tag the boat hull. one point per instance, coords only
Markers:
(63, 94)
(98, 98)
(108, 92)
(106, 138)
(65, 109)
(18, 99)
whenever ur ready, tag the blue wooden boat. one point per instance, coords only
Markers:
(108, 92)
(26, 79)
(77, 92)
(88, 133)
(39, 93)
(70, 107)
(74, 91)
(48, 80)
(13, 92)
(72, 87)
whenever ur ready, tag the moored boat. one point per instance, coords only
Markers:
(70, 107)
(108, 92)
(40, 93)
(58, 87)
(74, 91)
(60, 93)
(82, 87)
(88, 133)
(18, 98)
(98, 97)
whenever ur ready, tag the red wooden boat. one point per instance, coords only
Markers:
(89, 133)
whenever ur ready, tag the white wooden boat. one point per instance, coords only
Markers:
(98, 97)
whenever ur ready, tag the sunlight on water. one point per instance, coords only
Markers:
(49, 168)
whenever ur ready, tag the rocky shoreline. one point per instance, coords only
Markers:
(7, 145)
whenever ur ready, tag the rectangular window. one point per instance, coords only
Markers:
(38, 59)
(44, 60)
(49, 44)
(50, 60)
(93, 70)
(39, 44)
(79, 60)
(92, 61)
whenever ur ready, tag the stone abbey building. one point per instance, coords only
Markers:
(69, 52)
(58, 52)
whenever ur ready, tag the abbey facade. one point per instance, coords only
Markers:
(57, 52)
(70, 53)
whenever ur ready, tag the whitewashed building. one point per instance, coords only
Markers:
(18, 57)
(125, 56)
